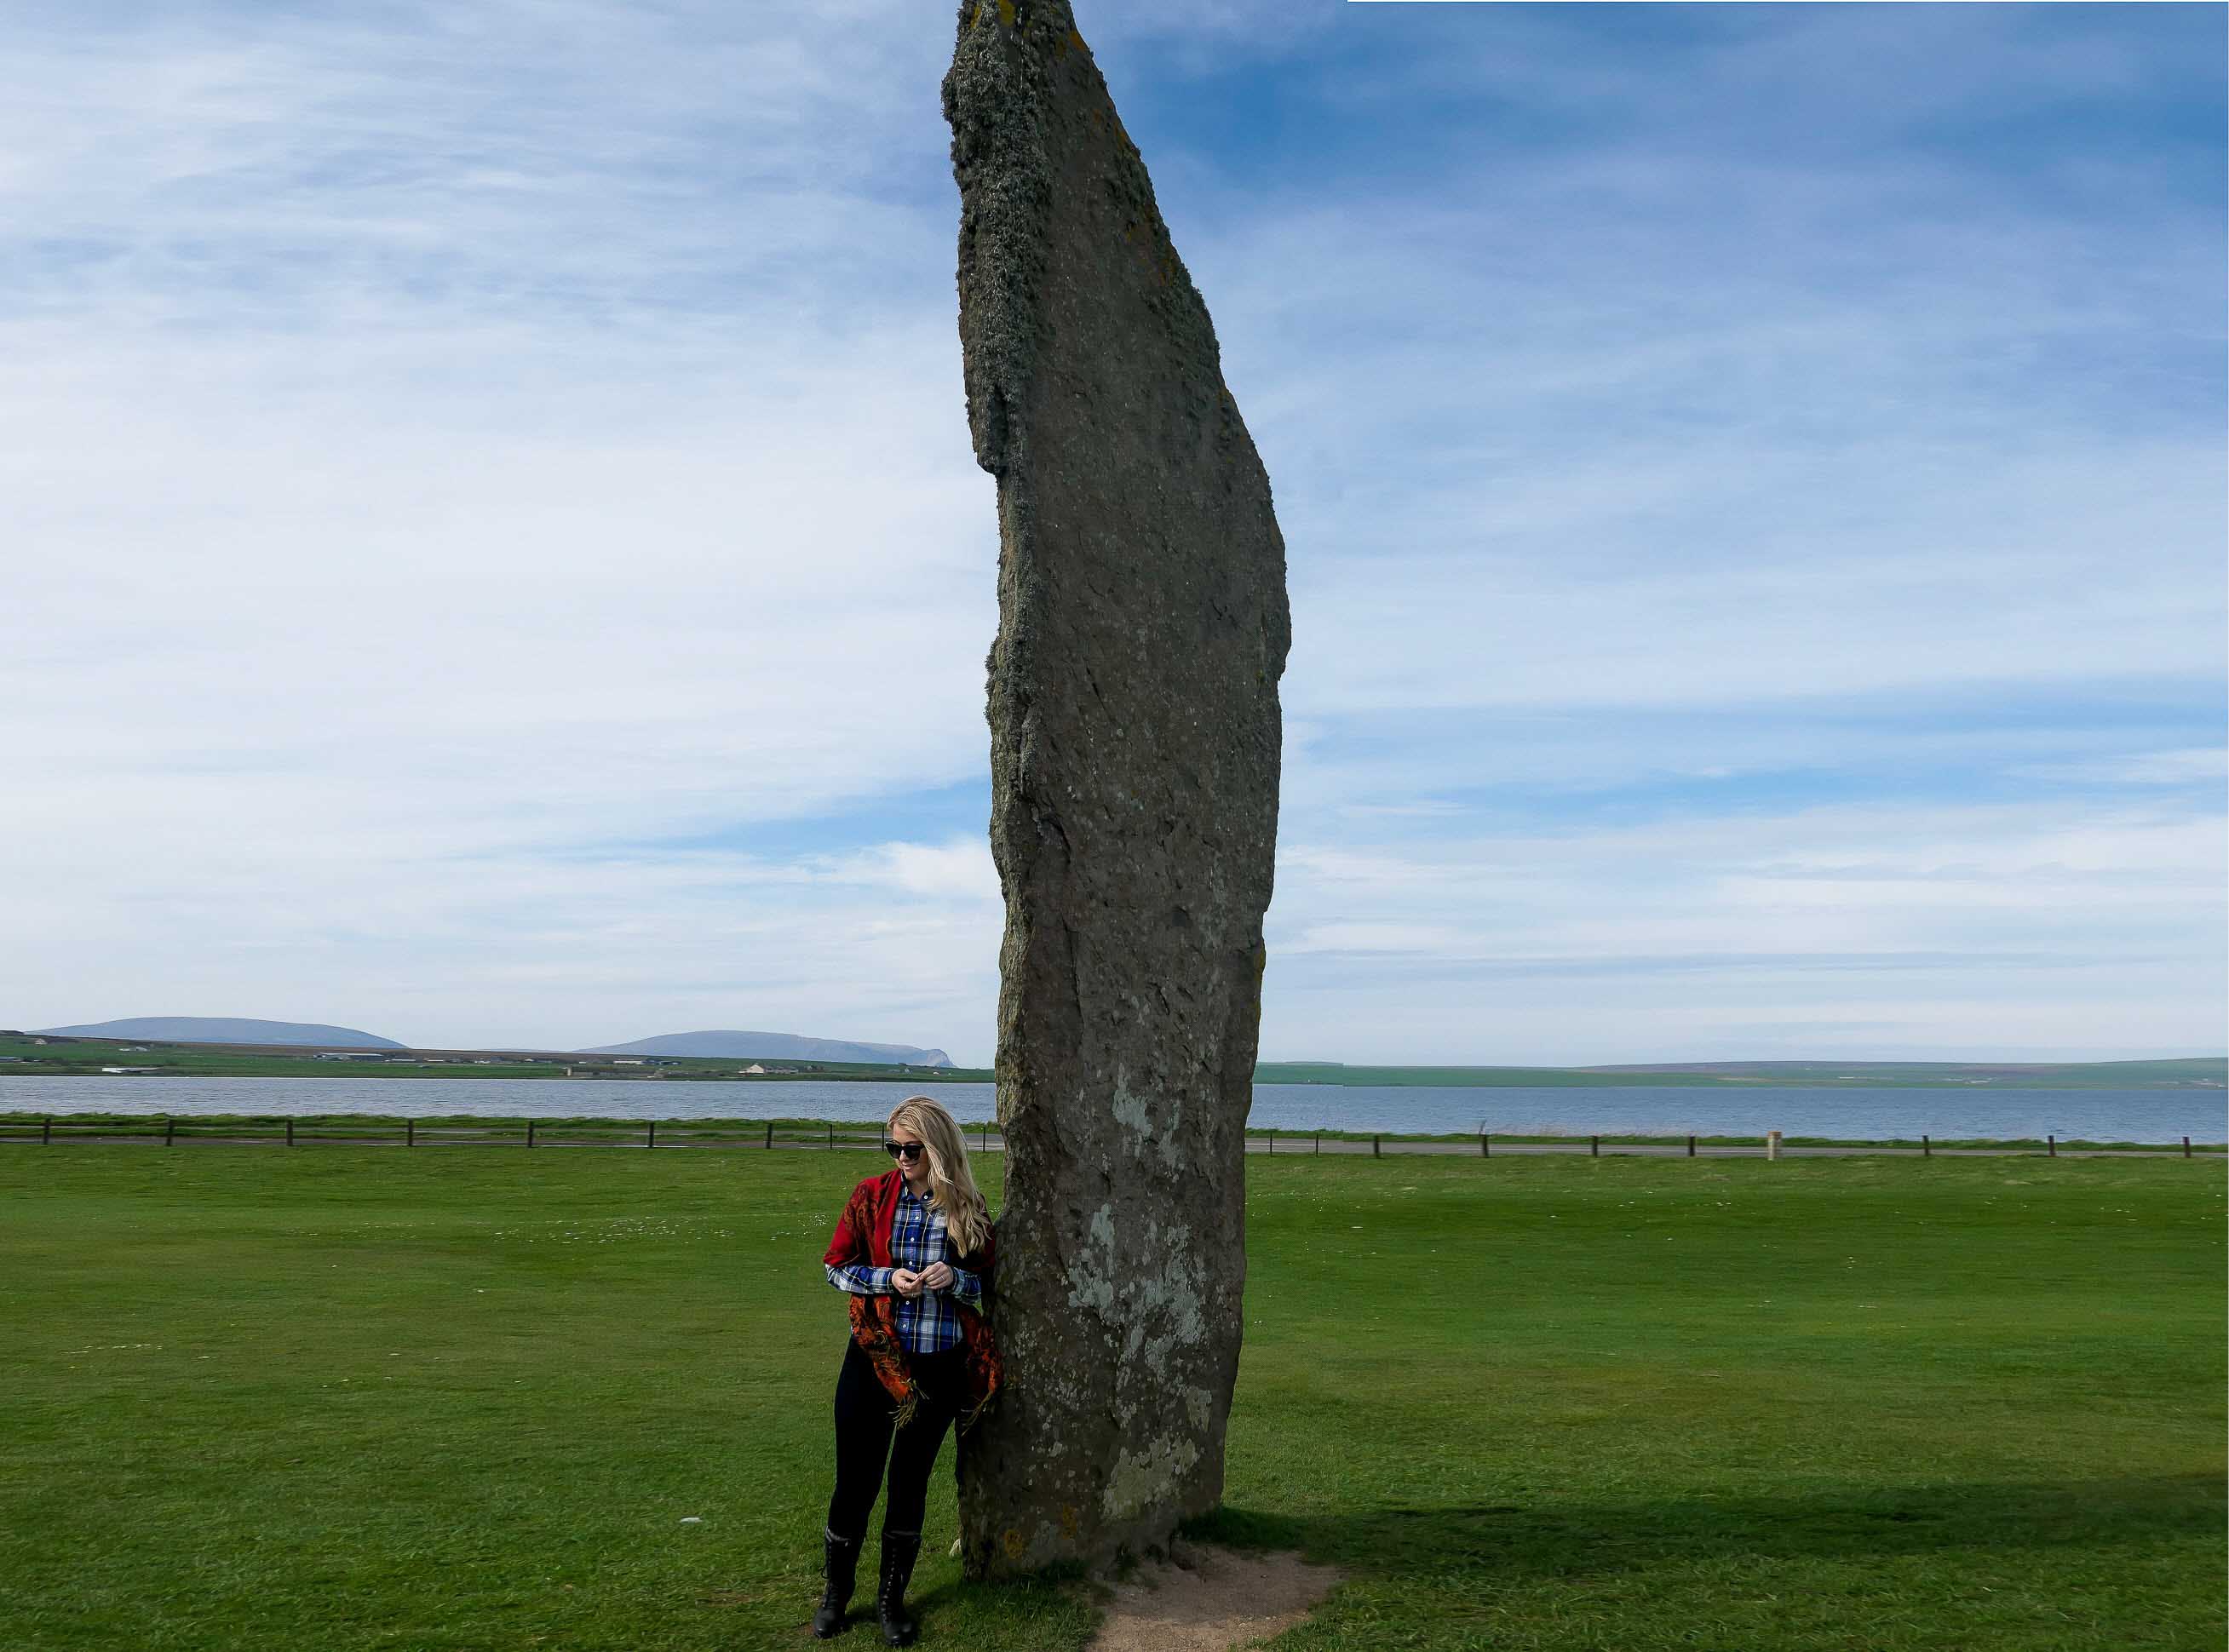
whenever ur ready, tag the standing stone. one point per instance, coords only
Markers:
(1135, 733)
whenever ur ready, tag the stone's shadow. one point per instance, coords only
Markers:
(1543, 1538)
(1550, 1539)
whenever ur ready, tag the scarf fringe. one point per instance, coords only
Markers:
(874, 1319)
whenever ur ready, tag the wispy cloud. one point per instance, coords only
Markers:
(2206, 766)
(497, 557)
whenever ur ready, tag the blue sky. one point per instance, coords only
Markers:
(497, 557)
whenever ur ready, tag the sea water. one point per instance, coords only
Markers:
(1861, 1113)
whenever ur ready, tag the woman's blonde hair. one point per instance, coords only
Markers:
(951, 1185)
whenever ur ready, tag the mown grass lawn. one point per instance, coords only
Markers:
(344, 1399)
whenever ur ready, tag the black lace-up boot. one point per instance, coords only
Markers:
(841, 1568)
(899, 1551)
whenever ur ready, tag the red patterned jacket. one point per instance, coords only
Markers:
(862, 1235)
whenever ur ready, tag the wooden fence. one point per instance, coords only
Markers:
(303, 1131)
(174, 1130)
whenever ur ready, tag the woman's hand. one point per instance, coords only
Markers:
(906, 1283)
(935, 1277)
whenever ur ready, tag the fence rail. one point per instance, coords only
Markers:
(301, 1131)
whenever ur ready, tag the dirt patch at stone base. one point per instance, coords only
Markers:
(1210, 1600)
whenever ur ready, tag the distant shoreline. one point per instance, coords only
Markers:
(53, 1055)
(593, 1130)
(1946, 1113)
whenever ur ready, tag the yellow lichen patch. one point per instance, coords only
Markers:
(1014, 1543)
(1006, 12)
(1076, 40)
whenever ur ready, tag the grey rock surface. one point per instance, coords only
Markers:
(1134, 743)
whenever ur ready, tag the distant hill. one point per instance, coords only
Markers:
(782, 1047)
(218, 1029)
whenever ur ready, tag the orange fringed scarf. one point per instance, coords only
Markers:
(862, 1235)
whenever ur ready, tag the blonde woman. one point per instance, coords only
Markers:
(913, 1252)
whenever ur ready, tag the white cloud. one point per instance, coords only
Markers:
(961, 870)
(460, 464)
(1683, 938)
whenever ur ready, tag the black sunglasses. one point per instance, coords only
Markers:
(902, 1150)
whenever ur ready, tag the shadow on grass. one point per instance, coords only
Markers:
(1552, 1538)
(1520, 1544)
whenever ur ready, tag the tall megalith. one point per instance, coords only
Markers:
(1135, 735)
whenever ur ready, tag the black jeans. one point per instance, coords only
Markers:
(865, 1411)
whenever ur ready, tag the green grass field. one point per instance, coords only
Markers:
(351, 1398)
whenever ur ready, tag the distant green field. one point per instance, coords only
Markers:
(357, 1399)
(1339, 1073)
(90, 1055)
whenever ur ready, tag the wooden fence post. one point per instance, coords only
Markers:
(409, 1132)
(653, 1142)
(1375, 1151)
(769, 1134)
(1272, 1140)
(1484, 1151)
(1926, 1147)
(2051, 1147)
(169, 1129)
(1691, 1147)
(530, 1132)
(1593, 1147)
(47, 1136)
(831, 1138)
(1319, 1142)
(290, 1130)
(2185, 1147)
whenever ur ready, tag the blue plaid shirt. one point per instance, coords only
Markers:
(927, 1323)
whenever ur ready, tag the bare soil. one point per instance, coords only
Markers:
(1204, 1599)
